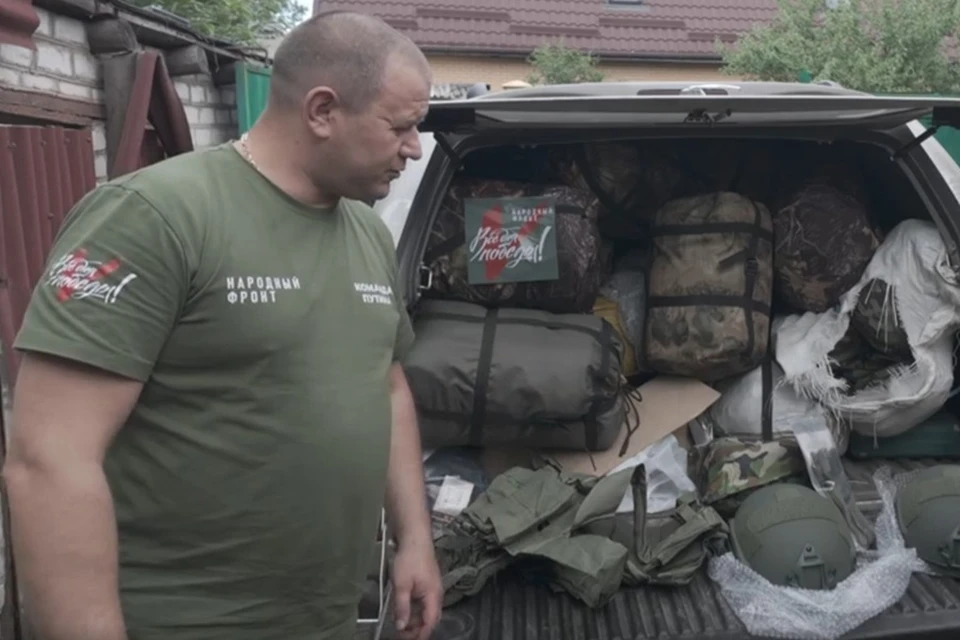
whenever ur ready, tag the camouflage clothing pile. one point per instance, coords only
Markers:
(875, 345)
(877, 319)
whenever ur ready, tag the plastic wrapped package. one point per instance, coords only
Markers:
(666, 468)
(627, 289)
(453, 478)
(738, 411)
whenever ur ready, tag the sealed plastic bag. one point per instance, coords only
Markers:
(738, 411)
(628, 290)
(667, 479)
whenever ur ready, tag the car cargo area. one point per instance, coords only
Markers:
(625, 345)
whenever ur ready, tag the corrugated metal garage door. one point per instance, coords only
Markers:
(44, 171)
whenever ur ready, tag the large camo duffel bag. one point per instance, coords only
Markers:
(710, 287)
(486, 377)
(579, 256)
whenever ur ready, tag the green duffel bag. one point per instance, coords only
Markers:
(519, 377)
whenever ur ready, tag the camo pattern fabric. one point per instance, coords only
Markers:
(627, 177)
(582, 260)
(877, 319)
(708, 341)
(731, 467)
(727, 508)
(824, 241)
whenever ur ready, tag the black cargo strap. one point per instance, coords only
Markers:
(484, 362)
(766, 395)
(631, 419)
(455, 241)
(600, 399)
(751, 269)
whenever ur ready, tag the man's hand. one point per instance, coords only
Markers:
(417, 591)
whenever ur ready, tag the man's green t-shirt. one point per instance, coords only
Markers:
(249, 479)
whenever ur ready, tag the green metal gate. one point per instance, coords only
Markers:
(253, 85)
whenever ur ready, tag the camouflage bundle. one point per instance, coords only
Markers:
(630, 184)
(728, 470)
(579, 253)
(710, 290)
(824, 243)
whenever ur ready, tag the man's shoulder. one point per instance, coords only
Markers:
(183, 177)
(369, 221)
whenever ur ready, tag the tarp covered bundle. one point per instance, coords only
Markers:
(520, 377)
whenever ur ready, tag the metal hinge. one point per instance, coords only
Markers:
(916, 142)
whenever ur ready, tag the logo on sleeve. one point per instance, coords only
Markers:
(76, 277)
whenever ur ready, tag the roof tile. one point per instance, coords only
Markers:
(650, 29)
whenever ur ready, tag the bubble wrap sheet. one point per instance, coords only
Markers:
(881, 579)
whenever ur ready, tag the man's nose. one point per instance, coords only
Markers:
(411, 148)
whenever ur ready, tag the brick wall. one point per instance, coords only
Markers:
(63, 65)
(211, 111)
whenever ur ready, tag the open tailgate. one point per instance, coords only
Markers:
(791, 110)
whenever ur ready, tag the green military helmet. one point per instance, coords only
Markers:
(793, 537)
(928, 511)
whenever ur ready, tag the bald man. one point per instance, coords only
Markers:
(210, 413)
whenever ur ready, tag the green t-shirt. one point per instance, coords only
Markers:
(249, 479)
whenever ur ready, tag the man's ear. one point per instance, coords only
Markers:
(320, 107)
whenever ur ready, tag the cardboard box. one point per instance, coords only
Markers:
(666, 404)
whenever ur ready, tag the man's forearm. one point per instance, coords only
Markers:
(65, 547)
(405, 500)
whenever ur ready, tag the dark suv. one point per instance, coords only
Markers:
(892, 136)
